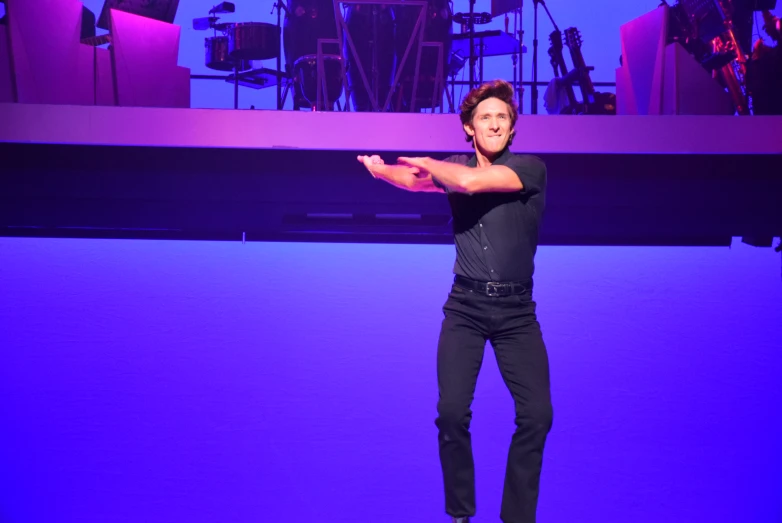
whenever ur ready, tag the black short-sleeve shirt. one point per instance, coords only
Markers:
(496, 233)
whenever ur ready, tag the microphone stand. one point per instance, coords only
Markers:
(375, 70)
(534, 103)
(279, 6)
(535, 51)
(471, 25)
(518, 23)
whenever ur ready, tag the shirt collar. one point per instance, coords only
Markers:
(502, 159)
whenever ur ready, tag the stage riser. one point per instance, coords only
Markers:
(287, 195)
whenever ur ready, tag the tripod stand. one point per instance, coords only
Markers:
(534, 102)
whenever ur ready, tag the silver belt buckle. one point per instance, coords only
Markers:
(491, 285)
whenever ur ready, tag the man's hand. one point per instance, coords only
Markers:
(408, 177)
(377, 167)
(371, 161)
(420, 163)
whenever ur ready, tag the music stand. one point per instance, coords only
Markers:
(162, 10)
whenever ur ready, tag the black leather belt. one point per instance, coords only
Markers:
(493, 288)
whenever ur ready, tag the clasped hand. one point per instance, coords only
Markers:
(416, 165)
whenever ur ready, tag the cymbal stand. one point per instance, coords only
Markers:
(535, 51)
(236, 84)
(279, 6)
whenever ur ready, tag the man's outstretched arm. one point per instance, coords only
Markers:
(401, 176)
(470, 180)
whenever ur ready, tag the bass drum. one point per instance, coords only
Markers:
(370, 24)
(438, 28)
(305, 22)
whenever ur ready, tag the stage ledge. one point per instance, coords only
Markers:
(377, 132)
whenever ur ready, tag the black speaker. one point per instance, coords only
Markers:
(87, 23)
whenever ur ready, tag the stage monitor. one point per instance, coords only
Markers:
(162, 10)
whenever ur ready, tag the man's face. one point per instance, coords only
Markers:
(490, 127)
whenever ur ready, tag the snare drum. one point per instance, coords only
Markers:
(306, 76)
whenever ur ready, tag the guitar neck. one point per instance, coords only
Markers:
(571, 96)
(554, 63)
(584, 80)
(560, 68)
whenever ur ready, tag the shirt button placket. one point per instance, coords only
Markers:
(485, 247)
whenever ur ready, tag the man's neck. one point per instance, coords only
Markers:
(484, 160)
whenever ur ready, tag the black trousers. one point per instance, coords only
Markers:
(510, 324)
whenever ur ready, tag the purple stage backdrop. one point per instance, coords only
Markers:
(155, 381)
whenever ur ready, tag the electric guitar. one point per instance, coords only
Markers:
(594, 102)
(560, 71)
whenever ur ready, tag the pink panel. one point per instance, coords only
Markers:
(85, 71)
(105, 82)
(6, 81)
(95, 62)
(46, 52)
(643, 44)
(689, 88)
(180, 97)
(145, 62)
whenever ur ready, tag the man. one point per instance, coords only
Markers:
(497, 199)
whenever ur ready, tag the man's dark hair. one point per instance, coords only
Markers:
(499, 89)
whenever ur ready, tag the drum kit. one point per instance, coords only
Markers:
(237, 45)
(391, 56)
